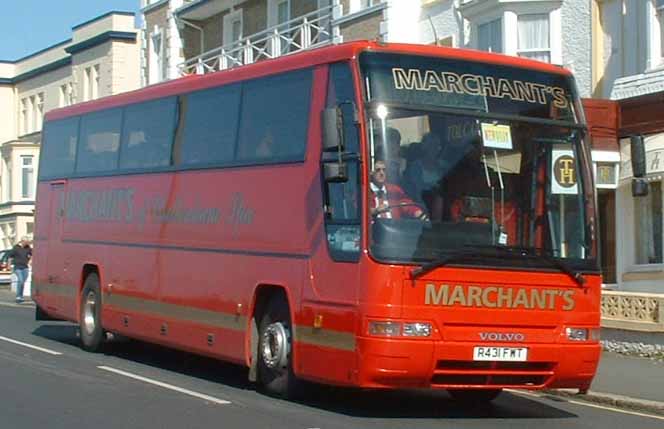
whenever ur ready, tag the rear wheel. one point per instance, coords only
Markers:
(92, 332)
(275, 364)
(470, 396)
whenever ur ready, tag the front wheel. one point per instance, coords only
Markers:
(275, 364)
(92, 332)
(478, 397)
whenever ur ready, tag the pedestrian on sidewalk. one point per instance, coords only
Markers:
(20, 256)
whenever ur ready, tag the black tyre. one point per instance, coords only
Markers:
(92, 331)
(474, 397)
(275, 365)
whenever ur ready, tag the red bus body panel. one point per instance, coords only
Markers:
(193, 285)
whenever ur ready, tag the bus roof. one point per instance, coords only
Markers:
(323, 55)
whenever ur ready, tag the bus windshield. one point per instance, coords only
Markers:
(457, 168)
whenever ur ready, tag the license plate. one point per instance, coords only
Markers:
(507, 354)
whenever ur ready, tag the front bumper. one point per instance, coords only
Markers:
(401, 363)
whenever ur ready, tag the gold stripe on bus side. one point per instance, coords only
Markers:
(66, 291)
(180, 312)
(303, 334)
(325, 338)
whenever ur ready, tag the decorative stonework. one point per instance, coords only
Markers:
(637, 311)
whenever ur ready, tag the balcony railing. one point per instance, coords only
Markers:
(304, 32)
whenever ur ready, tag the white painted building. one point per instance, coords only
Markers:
(628, 58)
(101, 58)
(208, 35)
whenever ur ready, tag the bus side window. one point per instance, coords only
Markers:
(210, 128)
(99, 142)
(275, 118)
(148, 134)
(342, 200)
(59, 148)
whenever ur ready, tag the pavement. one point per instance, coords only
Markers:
(622, 381)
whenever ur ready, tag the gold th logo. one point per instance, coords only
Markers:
(565, 171)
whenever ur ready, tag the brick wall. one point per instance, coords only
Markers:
(366, 27)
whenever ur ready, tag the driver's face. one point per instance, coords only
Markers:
(378, 175)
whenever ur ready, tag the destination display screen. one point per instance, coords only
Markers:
(451, 83)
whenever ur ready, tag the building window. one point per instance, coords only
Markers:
(24, 116)
(278, 14)
(66, 95)
(357, 5)
(232, 28)
(95, 82)
(86, 84)
(533, 37)
(62, 99)
(32, 115)
(157, 56)
(27, 177)
(659, 8)
(39, 111)
(648, 226)
(490, 36)
(91, 83)
(283, 12)
(7, 183)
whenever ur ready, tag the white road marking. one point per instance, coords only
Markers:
(41, 349)
(588, 404)
(165, 385)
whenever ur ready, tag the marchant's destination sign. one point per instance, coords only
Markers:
(469, 85)
(478, 85)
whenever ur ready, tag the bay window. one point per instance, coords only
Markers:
(533, 37)
(490, 36)
(648, 226)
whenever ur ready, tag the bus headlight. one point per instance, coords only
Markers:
(582, 334)
(417, 329)
(384, 329)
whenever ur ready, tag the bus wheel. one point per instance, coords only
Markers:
(92, 333)
(470, 396)
(275, 366)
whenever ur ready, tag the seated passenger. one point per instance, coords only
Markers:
(423, 174)
(388, 200)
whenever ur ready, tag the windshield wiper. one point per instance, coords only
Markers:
(539, 254)
(514, 252)
(427, 268)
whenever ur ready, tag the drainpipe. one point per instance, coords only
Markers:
(196, 27)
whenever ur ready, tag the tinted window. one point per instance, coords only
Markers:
(341, 92)
(211, 126)
(275, 116)
(58, 151)
(451, 83)
(99, 143)
(147, 134)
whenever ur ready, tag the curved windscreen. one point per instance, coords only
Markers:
(467, 158)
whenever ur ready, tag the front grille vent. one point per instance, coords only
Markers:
(452, 373)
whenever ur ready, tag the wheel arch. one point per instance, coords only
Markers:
(87, 269)
(262, 295)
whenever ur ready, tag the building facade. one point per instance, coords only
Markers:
(100, 59)
(628, 58)
(208, 35)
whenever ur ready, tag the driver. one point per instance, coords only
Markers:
(388, 200)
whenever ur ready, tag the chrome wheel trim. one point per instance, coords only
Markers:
(275, 346)
(89, 313)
